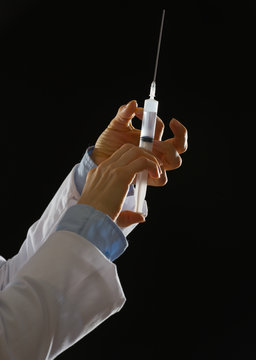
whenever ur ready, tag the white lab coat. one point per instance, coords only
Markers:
(58, 288)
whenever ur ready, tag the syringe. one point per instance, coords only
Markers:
(148, 131)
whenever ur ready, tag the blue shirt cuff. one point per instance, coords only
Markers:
(83, 168)
(96, 227)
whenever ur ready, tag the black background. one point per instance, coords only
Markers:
(65, 70)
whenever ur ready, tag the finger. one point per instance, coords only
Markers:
(128, 153)
(160, 181)
(133, 153)
(141, 164)
(180, 140)
(167, 153)
(127, 218)
(125, 114)
(159, 123)
(117, 154)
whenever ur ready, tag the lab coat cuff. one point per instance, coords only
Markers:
(96, 227)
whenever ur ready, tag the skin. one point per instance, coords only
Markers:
(119, 158)
(121, 131)
(107, 185)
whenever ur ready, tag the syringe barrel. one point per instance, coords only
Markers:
(149, 120)
(146, 141)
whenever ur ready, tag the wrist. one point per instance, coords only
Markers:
(97, 205)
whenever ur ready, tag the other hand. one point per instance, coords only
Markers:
(121, 131)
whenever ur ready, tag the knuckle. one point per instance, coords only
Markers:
(103, 168)
(137, 152)
(121, 108)
(176, 162)
(110, 173)
(110, 169)
(183, 148)
(127, 146)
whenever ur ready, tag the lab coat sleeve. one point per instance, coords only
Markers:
(65, 197)
(66, 289)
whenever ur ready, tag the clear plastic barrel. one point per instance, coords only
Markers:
(148, 127)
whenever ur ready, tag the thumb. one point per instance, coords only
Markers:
(127, 218)
(180, 140)
(125, 113)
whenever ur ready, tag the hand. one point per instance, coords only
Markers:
(121, 131)
(107, 185)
